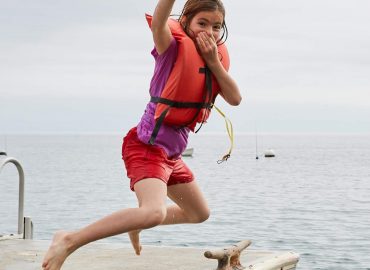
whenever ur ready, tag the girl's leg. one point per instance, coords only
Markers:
(190, 204)
(190, 207)
(151, 194)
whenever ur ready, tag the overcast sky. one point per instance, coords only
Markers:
(85, 66)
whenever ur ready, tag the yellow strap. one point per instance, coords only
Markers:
(229, 129)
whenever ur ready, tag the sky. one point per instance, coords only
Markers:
(84, 66)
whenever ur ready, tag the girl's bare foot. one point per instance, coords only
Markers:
(57, 253)
(135, 241)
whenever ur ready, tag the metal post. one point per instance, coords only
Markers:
(3, 162)
(28, 228)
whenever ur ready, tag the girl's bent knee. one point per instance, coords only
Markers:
(155, 217)
(201, 216)
(205, 216)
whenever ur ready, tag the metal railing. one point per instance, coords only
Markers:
(25, 226)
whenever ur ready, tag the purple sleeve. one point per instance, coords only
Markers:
(163, 66)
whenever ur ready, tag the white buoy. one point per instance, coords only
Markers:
(269, 153)
(188, 152)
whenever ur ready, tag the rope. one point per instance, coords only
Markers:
(230, 133)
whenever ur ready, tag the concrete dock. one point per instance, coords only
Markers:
(18, 254)
(27, 254)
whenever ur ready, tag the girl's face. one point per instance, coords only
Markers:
(209, 22)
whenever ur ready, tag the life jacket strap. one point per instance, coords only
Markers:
(171, 104)
(207, 93)
(179, 104)
(158, 126)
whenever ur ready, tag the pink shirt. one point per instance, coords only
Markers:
(172, 139)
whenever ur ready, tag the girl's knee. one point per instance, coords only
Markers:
(155, 216)
(201, 216)
(205, 215)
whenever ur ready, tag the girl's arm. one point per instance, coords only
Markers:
(161, 32)
(229, 89)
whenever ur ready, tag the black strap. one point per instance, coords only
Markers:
(208, 90)
(158, 125)
(179, 104)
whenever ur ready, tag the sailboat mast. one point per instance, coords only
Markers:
(255, 130)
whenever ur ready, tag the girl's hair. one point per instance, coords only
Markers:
(193, 7)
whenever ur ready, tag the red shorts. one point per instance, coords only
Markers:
(151, 161)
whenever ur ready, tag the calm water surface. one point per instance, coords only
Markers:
(312, 198)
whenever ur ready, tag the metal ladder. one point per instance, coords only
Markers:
(25, 225)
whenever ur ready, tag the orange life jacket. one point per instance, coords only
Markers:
(191, 89)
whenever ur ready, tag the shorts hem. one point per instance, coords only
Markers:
(133, 182)
(185, 181)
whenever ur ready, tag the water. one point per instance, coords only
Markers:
(311, 198)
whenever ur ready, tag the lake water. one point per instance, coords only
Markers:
(312, 198)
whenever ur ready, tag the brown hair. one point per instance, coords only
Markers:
(193, 7)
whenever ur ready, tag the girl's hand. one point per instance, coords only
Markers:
(207, 48)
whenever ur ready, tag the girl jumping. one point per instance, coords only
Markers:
(191, 62)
